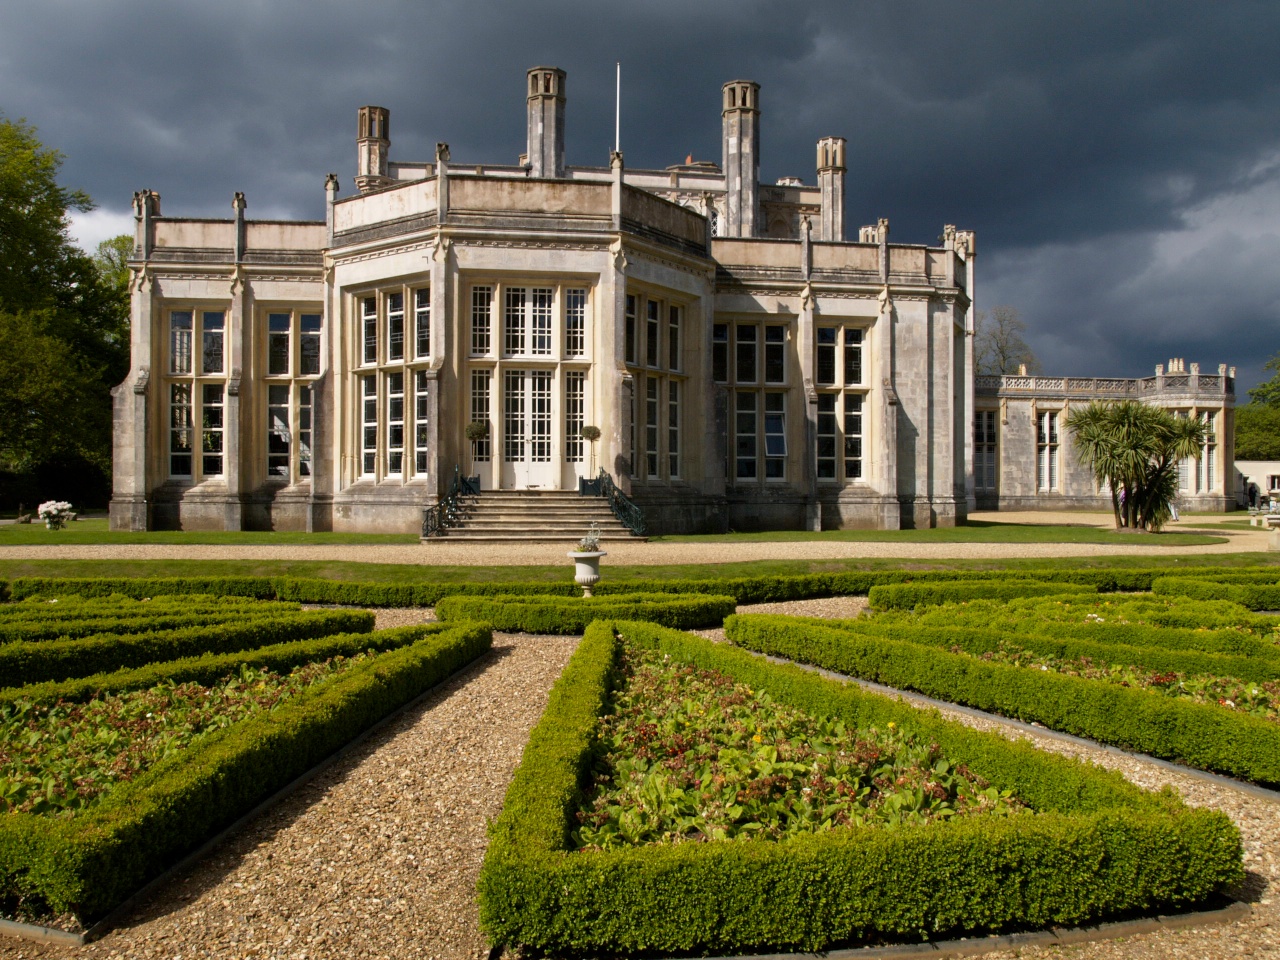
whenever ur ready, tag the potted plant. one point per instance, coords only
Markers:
(476, 431)
(55, 513)
(586, 560)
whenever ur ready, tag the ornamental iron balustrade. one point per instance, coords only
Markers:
(625, 509)
(449, 510)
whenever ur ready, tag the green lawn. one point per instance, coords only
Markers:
(94, 531)
(975, 531)
(419, 573)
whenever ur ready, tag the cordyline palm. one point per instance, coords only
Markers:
(1135, 449)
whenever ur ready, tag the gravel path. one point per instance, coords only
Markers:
(516, 553)
(378, 856)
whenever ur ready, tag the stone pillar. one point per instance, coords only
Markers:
(442, 183)
(966, 249)
(887, 479)
(373, 144)
(831, 172)
(240, 350)
(330, 198)
(132, 420)
(740, 114)
(546, 122)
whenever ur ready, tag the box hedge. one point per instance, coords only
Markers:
(1208, 737)
(24, 662)
(211, 667)
(1096, 846)
(89, 863)
(976, 641)
(1254, 596)
(910, 596)
(533, 614)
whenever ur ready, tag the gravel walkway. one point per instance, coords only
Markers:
(378, 856)
(517, 553)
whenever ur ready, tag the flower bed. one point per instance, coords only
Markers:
(1174, 728)
(106, 780)
(690, 755)
(62, 755)
(1095, 846)
(542, 614)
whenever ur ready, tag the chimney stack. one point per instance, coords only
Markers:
(831, 183)
(740, 112)
(546, 122)
(373, 143)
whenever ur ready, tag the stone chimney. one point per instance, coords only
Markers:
(831, 182)
(373, 143)
(546, 122)
(740, 113)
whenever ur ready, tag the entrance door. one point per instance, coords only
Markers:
(527, 457)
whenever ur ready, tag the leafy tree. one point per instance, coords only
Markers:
(64, 317)
(1135, 448)
(1268, 394)
(998, 346)
(1258, 432)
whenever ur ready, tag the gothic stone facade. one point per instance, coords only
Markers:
(1022, 453)
(747, 366)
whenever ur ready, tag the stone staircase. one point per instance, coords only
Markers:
(531, 515)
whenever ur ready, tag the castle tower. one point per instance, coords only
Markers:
(741, 121)
(831, 183)
(546, 122)
(373, 143)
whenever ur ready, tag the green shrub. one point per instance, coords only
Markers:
(72, 628)
(1097, 846)
(36, 661)
(1202, 736)
(209, 667)
(976, 641)
(910, 596)
(90, 863)
(1253, 595)
(571, 616)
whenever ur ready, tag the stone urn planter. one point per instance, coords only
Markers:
(586, 568)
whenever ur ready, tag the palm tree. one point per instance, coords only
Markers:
(1135, 448)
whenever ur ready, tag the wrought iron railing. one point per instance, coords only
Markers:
(623, 507)
(448, 511)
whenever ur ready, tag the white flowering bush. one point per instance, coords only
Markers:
(55, 513)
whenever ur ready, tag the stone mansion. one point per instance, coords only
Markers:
(746, 364)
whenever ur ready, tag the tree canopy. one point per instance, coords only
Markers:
(64, 316)
(1134, 449)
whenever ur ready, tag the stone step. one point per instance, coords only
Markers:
(548, 516)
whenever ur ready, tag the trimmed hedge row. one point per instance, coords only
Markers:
(25, 662)
(89, 863)
(1101, 612)
(976, 641)
(1096, 846)
(761, 589)
(211, 667)
(1255, 596)
(571, 616)
(1199, 735)
(75, 628)
(910, 596)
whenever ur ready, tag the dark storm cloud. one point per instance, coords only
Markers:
(1113, 158)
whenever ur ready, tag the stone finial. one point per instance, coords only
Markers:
(615, 159)
(331, 183)
(442, 153)
(882, 230)
(949, 234)
(238, 203)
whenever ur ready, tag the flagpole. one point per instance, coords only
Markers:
(617, 110)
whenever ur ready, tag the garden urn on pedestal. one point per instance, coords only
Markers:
(586, 560)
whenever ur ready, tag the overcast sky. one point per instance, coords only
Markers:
(1120, 163)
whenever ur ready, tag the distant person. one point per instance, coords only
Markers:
(1253, 496)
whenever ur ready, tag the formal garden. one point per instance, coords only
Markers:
(679, 795)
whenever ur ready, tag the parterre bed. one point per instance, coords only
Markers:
(108, 777)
